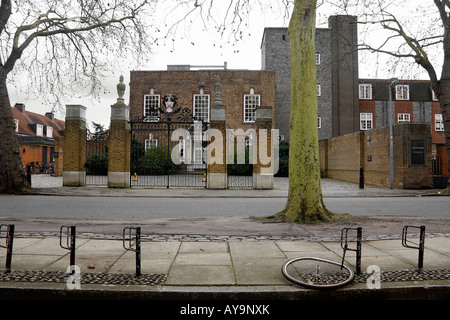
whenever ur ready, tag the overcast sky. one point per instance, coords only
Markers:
(199, 47)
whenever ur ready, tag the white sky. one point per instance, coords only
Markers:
(208, 49)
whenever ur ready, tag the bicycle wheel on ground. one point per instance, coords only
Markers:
(316, 273)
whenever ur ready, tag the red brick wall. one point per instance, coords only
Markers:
(368, 106)
(33, 153)
(403, 107)
(184, 84)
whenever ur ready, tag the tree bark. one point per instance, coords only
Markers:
(442, 87)
(305, 203)
(13, 178)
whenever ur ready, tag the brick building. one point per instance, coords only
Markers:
(36, 135)
(192, 94)
(337, 76)
(194, 90)
(242, 92)
(350, 108)
(413, 102)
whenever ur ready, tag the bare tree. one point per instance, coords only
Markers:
(62, 45)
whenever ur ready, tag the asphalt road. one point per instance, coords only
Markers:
(112, 208)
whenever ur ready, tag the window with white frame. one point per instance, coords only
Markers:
(317, 59)
(150, 143)
(201, 107)
(402, 92)
(438, 122)
(365, 91)
(49, 132)
(319, 90)
(251, 102)
(39, 130)
(152, 107)
(319, 122)
(403, 117)
(366, 121)
(16, 125)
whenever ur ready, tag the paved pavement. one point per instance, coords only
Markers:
(234, 266)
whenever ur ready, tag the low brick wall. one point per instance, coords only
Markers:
(342, 157)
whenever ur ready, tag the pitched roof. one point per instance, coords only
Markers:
(27, 119)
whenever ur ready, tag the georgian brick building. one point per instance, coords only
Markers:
(242, 92)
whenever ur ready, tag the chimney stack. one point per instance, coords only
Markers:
(50, 115)
(20, 106)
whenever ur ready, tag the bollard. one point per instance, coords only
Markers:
(29, 174)
(358, 247)
(9, 245)
(137, 244)
(421, 246)
(70, 241)
(361, 177)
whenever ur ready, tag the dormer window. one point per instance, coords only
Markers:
(49, 132)
(39, 130)
(402, 92)
(365, 91)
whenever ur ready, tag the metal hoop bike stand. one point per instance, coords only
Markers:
(127, 245)
(9, 244)
(420, 247)
(70, 241)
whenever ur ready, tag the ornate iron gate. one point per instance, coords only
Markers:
(240, 171)
(163, 152)
(97, 158)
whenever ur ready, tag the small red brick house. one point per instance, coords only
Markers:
(36, 135)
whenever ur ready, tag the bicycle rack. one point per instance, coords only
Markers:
(137, 249)
(344, 236)
(9, 244)
(70, 241)
(421, 246)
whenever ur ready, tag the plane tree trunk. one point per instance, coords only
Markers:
(305, 203)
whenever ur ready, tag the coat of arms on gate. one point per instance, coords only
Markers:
(169, 104)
